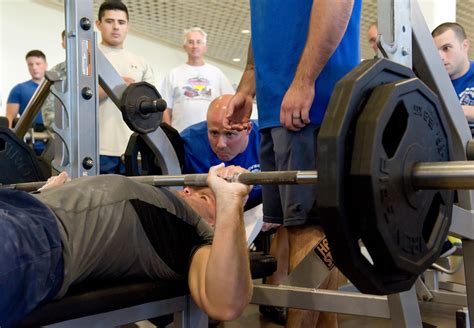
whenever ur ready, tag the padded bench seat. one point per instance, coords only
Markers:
(95, 298)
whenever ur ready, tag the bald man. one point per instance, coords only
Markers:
(208, 143)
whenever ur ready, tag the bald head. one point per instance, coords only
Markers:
(225, 143)
(218, 107)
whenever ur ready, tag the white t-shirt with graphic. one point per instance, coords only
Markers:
(113, 132)
(188, 91)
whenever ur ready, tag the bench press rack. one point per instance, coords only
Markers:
(409, 42)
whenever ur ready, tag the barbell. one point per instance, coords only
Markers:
(385, 179)
(435, 175)
(438, 175)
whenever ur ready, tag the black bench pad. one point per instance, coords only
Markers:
(262, 265)
(85, 300)
(99, 297)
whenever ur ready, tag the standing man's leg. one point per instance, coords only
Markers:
(279, 249)
(283, 150)
(302, 240)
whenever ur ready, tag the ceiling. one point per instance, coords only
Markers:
(224, 20)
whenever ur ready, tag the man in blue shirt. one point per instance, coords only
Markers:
(299, 50)
(22, 92)
(208, 143)
(453, 47)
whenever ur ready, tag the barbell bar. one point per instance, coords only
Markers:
(437, 175)
(454, 175)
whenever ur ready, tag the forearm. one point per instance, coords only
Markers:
(12, 112)
(225, 287)
(247, 82)
(167, 116)
(328, 23)
(469, 112)
(126, 80)
(228, 262)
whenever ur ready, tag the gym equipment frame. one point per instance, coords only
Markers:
(406, 40)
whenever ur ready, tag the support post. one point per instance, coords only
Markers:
(77, 147)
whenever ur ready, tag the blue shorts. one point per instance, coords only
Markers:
(284, 150)
(31, 262)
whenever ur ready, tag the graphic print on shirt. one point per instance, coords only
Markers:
(467, 97)
(254, 168)
(197, 88)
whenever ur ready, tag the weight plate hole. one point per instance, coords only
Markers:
(432, 216)
(395, 129)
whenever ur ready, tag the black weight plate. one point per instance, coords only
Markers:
(401, 124)
(334, 155)
(18, 162)
(135, 119)
(139, 158)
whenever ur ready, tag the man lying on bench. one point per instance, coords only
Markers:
(112, 227)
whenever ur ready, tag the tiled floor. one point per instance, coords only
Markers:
(433, 315)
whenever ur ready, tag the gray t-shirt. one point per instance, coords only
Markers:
(113, 227)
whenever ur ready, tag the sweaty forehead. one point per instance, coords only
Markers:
(215, 117)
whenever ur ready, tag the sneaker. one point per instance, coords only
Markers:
(275, 314)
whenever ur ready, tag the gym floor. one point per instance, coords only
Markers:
(433, 315)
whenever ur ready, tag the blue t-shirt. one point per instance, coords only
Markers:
(199, 156)
(21, 94)
(464, 87)
(279, 32)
